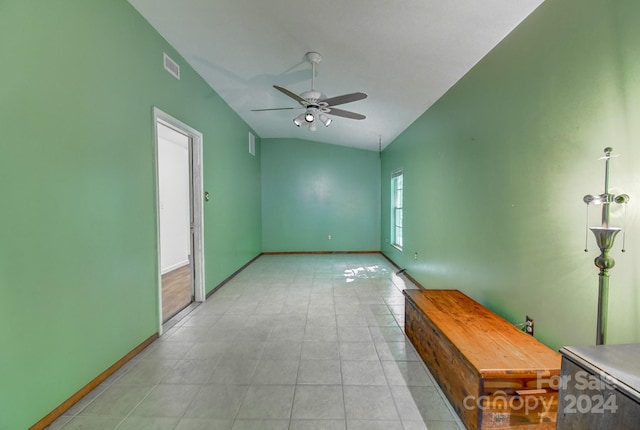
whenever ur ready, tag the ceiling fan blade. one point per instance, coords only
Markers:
(345, 98)
(290, 94)
(261, 110)
(345, 113)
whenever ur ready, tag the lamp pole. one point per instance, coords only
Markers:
(605, 237)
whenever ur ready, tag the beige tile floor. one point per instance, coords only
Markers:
(294, 342)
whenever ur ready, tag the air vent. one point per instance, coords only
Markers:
(252, 144)
(171, 66)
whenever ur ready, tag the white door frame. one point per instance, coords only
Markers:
(198, 210)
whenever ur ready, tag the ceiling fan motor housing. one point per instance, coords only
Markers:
(312, 96)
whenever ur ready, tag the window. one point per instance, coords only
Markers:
(396, 209)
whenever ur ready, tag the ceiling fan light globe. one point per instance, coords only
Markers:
(325, 120)
(312, 127)
(309, 117)
(298, 120)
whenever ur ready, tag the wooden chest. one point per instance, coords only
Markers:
(494, 375)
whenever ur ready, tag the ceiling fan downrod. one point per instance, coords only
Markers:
(314, 58)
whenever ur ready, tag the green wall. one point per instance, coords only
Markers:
(311, 190)
(78, 254)
(495, 172)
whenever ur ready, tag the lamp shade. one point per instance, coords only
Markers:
(309, 116)
(325, 120)
(299, 120)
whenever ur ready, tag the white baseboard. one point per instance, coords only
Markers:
(174, 266)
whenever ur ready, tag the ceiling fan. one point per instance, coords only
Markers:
(317, 106)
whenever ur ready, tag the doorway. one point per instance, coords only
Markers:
(179, 215)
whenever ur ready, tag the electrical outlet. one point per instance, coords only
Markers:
(528, 325)
(329, 237)
(415, 255)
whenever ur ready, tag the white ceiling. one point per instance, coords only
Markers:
(405, 54)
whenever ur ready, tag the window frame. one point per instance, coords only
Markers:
(397, 209)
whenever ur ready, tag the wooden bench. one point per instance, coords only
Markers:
(494, 375)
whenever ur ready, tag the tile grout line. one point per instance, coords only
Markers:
(329, 285)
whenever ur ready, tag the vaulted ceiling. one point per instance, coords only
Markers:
(404, 54)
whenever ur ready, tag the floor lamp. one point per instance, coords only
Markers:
(605, 236)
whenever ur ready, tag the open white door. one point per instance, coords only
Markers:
(178, 151)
